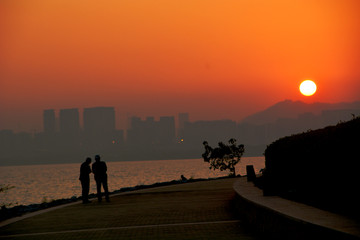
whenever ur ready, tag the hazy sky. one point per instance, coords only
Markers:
(215, 59)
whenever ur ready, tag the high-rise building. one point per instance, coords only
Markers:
(49, 121)
(183, 118)
(152, 132)
(69, 121)
(142, 131)
(166, 130)
(99, 119)
(99, 127)
(210, 131)
(135, 122)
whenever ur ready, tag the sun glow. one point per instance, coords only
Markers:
(307, 88)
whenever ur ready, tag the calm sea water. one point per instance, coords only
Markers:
(38, 183)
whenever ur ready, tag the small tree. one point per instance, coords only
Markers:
(224, 156)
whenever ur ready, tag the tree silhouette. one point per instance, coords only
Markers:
(223, 157)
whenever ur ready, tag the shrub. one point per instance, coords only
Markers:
(318, 167)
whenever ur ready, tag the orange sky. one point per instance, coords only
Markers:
(215, 59)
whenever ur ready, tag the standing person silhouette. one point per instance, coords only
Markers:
(85, 179)
(99, 169)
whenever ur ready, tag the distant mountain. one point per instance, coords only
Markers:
(292, 109)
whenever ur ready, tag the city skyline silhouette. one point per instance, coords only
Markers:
(67, 135)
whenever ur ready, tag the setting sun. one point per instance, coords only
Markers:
(307, 88)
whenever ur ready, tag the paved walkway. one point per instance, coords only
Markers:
(319, 220)
(200, 210)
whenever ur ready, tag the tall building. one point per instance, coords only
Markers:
(142, 131)
(152, 132)
(135, 122)
(49, 121)
(210, 131)
(69, 122)
(99, 119)
(183, 118)
(99, 126)
(166, 130)
(69, 135)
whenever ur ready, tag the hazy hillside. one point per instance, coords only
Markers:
(292, 109)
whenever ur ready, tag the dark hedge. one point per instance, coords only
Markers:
(319, 167)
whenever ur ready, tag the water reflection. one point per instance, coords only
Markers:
(38, 183)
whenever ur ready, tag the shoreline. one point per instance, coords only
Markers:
(20, 210)
(15, 164)
(77, 162)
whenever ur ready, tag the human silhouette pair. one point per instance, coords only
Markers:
(99, 169)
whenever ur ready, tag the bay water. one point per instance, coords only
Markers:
(43, 183)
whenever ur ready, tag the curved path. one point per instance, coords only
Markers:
(200, 210)
(293, 220)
